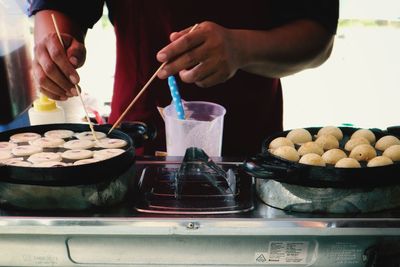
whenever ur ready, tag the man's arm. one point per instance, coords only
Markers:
(285, 50)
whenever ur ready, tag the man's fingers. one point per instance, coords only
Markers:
(180, 46)
(51, 70)
(49, 94)
(204, 74)
(74, 91)
(58, 55)
(197, 73)
(46, 84)
(54, 65)
(75, 50)
(186, 61)
(76, 54)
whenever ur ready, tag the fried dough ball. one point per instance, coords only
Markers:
(348, 163)
(333, 130)
(387, 141)
(333, 155)
(299, 136)
(393, 152)
(280, 141)
(312, 159)
(327, 141)
(379, 161)
(286, 152)
(353, 142)
(310, 147)
(363, 152)
(366, 133)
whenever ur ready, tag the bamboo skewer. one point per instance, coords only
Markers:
(121, 117)
(76, 86)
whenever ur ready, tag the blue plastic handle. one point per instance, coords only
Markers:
(176, 98)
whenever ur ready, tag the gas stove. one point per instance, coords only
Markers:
(228, 226)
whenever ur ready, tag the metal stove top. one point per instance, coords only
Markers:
(124, 236)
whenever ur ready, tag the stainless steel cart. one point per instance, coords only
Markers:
(122, 236)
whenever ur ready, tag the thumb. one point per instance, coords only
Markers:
(76, 53)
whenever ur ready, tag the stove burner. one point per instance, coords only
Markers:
(196, 186)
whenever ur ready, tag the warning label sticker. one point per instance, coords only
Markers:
(283, 252)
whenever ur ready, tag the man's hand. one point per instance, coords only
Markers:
(54, 66)
(206, 56)
(212, 54)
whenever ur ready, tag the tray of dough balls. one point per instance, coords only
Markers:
(58, 148)
(329, 157)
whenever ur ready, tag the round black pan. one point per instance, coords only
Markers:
(267, 166)
(71, 175)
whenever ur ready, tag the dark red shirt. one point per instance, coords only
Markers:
(253, 103)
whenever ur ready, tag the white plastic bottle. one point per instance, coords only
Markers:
(45, 111)
(74, 112)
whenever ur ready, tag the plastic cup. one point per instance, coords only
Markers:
(202, 128)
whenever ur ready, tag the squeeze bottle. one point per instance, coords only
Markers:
(45, 111)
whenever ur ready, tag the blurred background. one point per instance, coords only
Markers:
(360, 83)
